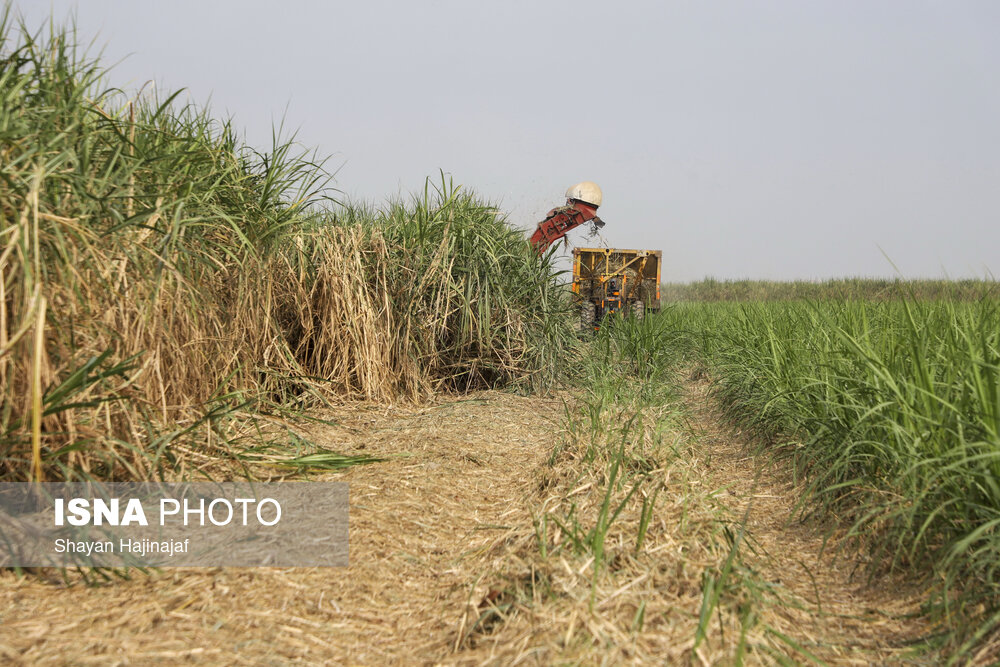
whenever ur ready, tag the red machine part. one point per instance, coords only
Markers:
(561, 220)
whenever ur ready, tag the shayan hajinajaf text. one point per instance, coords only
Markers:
(125, 545)
(217, 512)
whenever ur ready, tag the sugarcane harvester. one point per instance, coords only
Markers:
(605, 280)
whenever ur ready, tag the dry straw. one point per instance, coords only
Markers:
(160, 280)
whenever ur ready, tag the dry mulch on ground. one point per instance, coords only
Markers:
(439, 527)
(417, 523)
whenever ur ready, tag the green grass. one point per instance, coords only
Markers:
(894, 409)
(871, 289)
(622, 400)
(629, 451)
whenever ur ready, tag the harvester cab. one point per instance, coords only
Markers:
(612, 301)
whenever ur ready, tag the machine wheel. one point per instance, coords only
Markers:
(587, 314)
(638, 310)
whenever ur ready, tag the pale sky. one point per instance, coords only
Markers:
(768, 140)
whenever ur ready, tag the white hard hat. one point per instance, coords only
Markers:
(587, 191)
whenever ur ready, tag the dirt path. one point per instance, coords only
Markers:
(432, 532)
(829, 605)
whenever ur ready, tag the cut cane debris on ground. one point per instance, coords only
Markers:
(660, 534)
(419, 524)
(446, 564)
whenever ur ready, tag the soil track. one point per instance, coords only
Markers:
(828, 601)
(429, 529)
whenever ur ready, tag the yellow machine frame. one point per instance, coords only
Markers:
(646, 264)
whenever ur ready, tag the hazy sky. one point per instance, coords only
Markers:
(745, 139)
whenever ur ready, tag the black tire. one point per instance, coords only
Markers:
(638, 310)
(588, 312)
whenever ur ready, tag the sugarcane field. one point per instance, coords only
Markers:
(499, 333)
